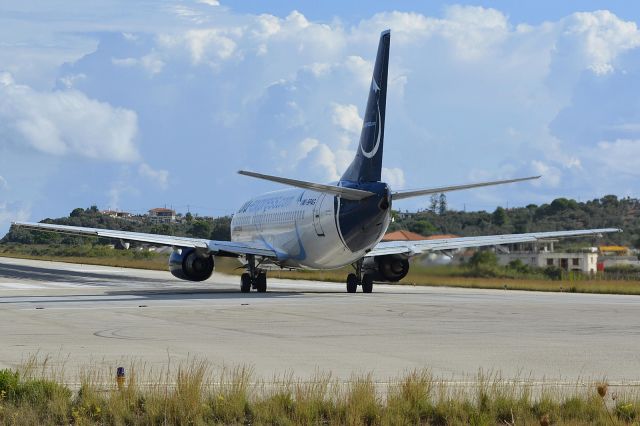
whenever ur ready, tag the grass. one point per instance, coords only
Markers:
(195, 393)
(436, 276)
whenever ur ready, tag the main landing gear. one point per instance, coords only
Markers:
(359, 278)
(253, 278)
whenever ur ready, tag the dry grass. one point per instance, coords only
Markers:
(194, 393)
(157, 264)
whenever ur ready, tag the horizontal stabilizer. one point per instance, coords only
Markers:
(399, 195)
(346, 193)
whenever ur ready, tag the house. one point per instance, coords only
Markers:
(427, 259)
(162, 215)
(541, 254)
(116, 214)
(403, 235)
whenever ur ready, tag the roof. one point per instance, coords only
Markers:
(403, 235)
(160, 209)
(613, 248)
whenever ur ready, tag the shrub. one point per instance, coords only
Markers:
(553, 273)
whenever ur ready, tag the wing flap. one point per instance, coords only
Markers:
(411, 248)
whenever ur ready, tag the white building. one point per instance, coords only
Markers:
(162, 215)
(541, 254)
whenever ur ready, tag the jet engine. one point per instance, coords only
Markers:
(390, 268)
(191, 264)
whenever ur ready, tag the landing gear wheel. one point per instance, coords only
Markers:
(261, 282)
(367, 283)
(352, 283)
(245, 283)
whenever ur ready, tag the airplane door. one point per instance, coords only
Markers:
(317, 209)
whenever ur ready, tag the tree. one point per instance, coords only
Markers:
(442, 208)
(423, 227)
(200, 229)
(484, 258)
(77, 212)
(433, 205)
(499, 217)
(188, 217)
(221, 229)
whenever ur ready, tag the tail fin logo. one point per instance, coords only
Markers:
(374, 150)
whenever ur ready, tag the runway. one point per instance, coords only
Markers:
(81, 314)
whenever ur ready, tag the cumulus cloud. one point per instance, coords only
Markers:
(603, 37)
(347, 118)
(64, 122)
(222, 90)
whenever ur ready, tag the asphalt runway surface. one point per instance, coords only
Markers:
(84, 315)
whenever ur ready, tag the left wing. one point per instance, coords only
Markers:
(411, 248)
(213, 246)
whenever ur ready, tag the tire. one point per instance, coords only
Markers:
(261, 282)
(245, 283)
(367, 283)
(352, 283)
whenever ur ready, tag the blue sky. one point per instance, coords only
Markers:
(134, 105)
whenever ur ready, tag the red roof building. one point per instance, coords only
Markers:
(403, 235)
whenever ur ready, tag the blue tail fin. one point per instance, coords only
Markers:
(367, 165)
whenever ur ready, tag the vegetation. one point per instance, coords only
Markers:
(195, 394)
(189, 226)
(560, 214)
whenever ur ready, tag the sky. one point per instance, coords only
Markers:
(134, 105)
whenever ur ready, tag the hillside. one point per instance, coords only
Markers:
(560, 214)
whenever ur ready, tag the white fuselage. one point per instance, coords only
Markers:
(301, 226)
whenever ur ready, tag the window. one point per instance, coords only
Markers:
(576, 262)
(549, 262)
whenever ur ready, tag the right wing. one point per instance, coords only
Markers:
(213, 246)
(411, 248)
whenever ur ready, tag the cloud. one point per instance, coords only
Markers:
(347, 118)
(3, 183)
(158, 177)
(219, 90)
(620, 156)
(66, 122)
(394, 177)
(551, 176)
(12, 212)
(602, 37)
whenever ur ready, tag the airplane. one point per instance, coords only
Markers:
(321, 226)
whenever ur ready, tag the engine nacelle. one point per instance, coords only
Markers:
(190, 264)
(390, 268)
